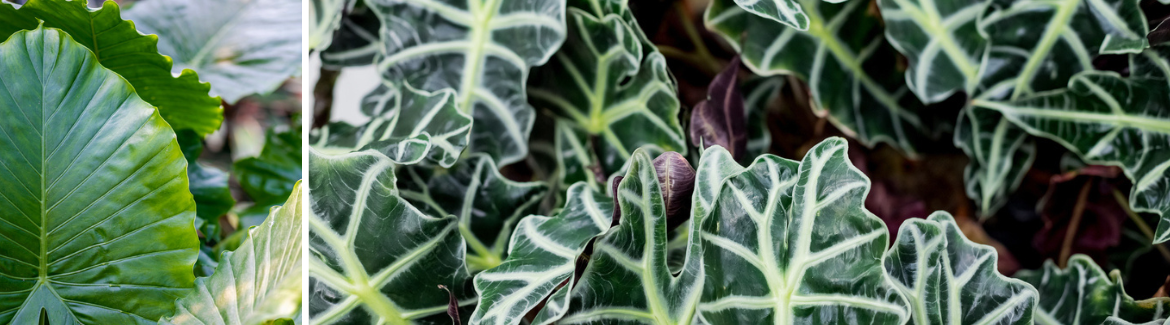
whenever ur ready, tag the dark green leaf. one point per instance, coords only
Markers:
(269, 178)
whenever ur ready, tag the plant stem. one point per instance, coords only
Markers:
(1071, 233)
(1141, 224)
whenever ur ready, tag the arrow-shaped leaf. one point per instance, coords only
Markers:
(941, 40)
(480, 48)
(1083, 294)
(949, 279)
(359, 274)
(791, 242)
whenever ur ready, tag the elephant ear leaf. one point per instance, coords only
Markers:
(486, 204)
(1109, 120)
(272, 176)
(843, 56)
(949, 279)
(792, 242)
(250, 51)
(1083, 294)
(412, 126)
(941, 40)
(327, 17)
(541, 258)
(628, 278)
(181, 99)
(260, 281)
(96, 200)
(356, 272)
(786, 12)
(482, 50)
(609, 95)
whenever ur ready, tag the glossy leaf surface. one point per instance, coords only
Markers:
(942, 42)
(787, 12)
(487, 204)
(358, 274)
(611, 94)
(357, 39)
(97, 222)
(240, 47)
(182, 100)
(209, 185)
(1083, 294)
(270, 177)
(948, 279)
(541, 256)
(480, 48)
(258, 282)
(790, 242)
(414, 125)
(843, 57)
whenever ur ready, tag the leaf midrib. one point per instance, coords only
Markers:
(473, 57)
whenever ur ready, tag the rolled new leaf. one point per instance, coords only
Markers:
(258, 282)
(676, 178)
(413, 125)
(356, 271)
(791, 242)
(97, 222)
(719, 120)
(541, 258)
(948, 279)
(1083, 294)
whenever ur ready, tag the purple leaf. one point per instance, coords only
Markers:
(719, 120)
(452, 306)
(676, 177)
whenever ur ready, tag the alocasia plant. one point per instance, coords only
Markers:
(98, 222)
(1083, 294)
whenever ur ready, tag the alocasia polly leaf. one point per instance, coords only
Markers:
(1000, 153)
(260, 281)
(843, 57)
(97, 221)
(541, 256)
(356, 42)
(209, 185)
(358, 274)
(941, 40)
(240, 47)
(181, 99)
(948, 279)
(719, 120)
(1083, 294)
(414, 125)
(480, 48)
(1109, 120)
(611, 95)
(759, 94)
(787, 12)
(270, 177)
(486, 204)
(627, 279)
(327, 16)
(791, 242)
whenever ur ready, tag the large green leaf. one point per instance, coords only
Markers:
(791, 242)
(1109, 120)
(414, 125)
(209, 185)
(627, 279)
(941, 40)
(270, 177)
(97, 220)
(327, 16)
(606, 91)
(241, 47)
(480, 48)
(181, 100)
(541, 257)
(260, 281)
(1083, 294)
(487, 204)
(949, 279)
(359, 274)
(848, 65)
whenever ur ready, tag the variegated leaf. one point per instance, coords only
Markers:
(541, 258)
(358, 274)
(1000, 153)
(413, 125)
(949, 279)
(791, 242)
(627, 280)
(758, 96)
(357, 39)
(326, 15)
(843, 57)
(610, 94)
(486, 204)
(1082, 294)
(1109, 120)
(941, 40)
(480, 48)
(786, 12)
